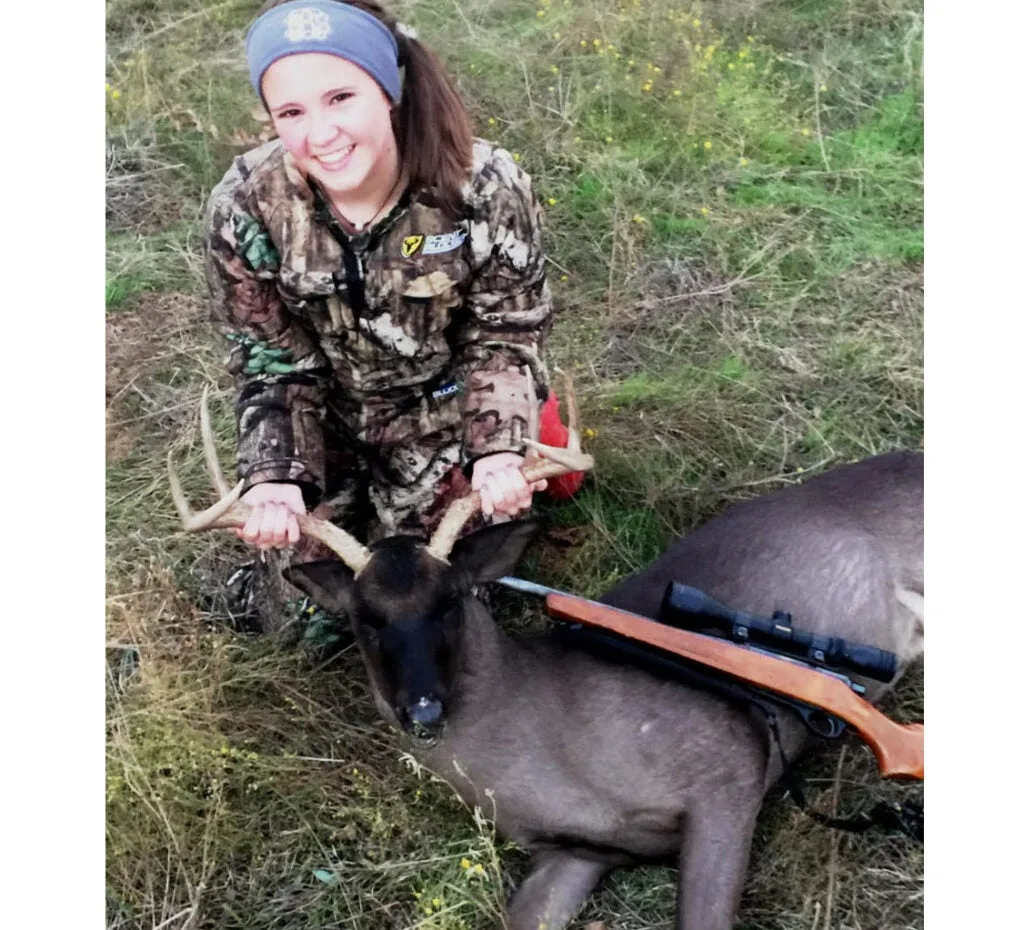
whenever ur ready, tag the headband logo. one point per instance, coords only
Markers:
(307, 23)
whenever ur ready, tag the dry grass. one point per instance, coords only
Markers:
(718, 356)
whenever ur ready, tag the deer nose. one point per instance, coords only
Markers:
(426, 714)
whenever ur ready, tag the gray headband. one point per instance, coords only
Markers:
(329, 27)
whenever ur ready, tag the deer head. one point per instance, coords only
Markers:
(404, 596)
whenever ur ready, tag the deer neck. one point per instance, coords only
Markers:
(484, 652)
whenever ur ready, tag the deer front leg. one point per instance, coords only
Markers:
(549, 897)
(713, 864)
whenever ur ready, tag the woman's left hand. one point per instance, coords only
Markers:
(501, 484)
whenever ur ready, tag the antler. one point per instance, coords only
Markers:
(230, 512)
(547, 462)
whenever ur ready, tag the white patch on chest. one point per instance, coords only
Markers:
(518, 253)
(390, 334)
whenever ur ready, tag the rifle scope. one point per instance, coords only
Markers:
(690, 609)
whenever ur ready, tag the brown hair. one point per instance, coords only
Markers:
(431, 124)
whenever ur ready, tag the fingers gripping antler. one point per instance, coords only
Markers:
(543, 462)
(229, 512)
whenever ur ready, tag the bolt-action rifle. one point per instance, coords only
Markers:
(772, 657)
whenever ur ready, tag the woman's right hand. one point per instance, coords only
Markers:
(272, 523)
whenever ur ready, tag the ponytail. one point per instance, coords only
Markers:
(432, 127)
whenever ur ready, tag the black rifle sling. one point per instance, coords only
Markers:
(906, 818)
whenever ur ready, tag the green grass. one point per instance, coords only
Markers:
(735, 239)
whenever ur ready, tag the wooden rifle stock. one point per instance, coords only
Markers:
(899, 748)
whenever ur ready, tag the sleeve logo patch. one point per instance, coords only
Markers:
(411, 245)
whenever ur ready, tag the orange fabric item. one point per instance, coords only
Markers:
(554, 433)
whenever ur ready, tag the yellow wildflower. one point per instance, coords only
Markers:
(637, 218)
(805, 132)
(677, 93)
(552, 201)
(704, 211)
(564, 277)
(465, 863)
(554, 69)
(558, 35)
(607, 138)
(477, 869)
(823, 89)
(696, 24)
(744, 162)
(116, 94)
(597, 43)
(583, 43)
(492, 121)
(707, 143)
(732, 66)
(107, 88)
(515, 156)
(541, 13)
(590, 433)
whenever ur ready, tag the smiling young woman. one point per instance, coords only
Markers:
(380, 276)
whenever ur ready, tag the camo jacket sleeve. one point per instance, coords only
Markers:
(280, 373)
(499, 348)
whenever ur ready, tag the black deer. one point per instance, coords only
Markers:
(592, 765)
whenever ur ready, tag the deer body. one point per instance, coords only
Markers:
(593, 765)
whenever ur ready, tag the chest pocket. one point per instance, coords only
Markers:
(419, 297)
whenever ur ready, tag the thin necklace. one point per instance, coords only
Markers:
(359, 227)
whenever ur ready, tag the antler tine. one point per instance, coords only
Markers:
(455, 518)
(209, 446)
(344, 545)
(230, 512)
(573, 409)
(570, 458)
(554, 462)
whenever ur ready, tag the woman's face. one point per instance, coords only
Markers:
(333, 118)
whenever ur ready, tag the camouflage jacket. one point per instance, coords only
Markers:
(422, 305)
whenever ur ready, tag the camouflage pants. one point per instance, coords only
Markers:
(389, 469)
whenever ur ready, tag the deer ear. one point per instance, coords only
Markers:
(493, 551)
(328, 582)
